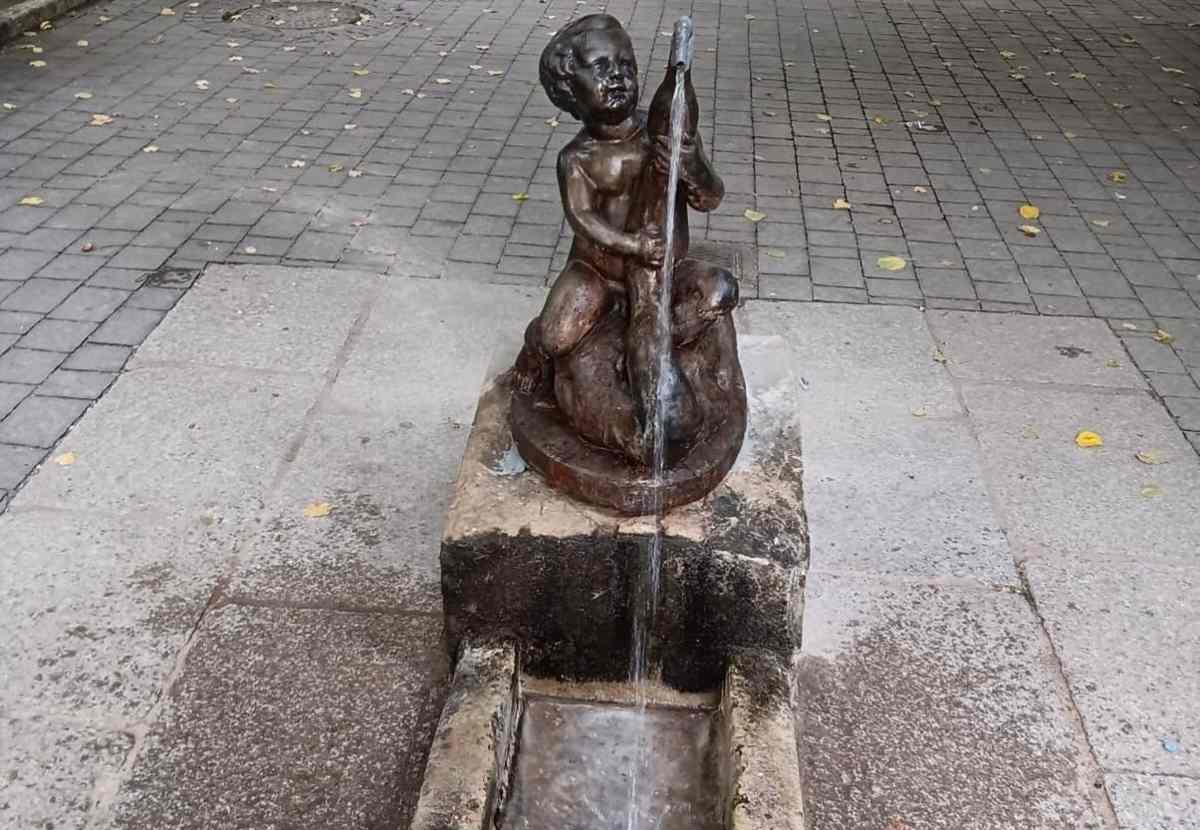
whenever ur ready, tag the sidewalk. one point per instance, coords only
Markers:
(225, 609)
(1001, 628)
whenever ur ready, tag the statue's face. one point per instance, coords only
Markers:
(605, 82)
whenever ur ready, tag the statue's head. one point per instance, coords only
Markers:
(589, 70)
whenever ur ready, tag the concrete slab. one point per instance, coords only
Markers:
(1128, 633)
(1057, 498)
(270, 318)
(96, 608)
(292, 718)
(178, 444)
(1155, 802)
(923, 706)
(1028, 349)
(52, 768)
(388, 483)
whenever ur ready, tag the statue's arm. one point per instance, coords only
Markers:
(577, 192)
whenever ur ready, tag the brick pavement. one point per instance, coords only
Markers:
(396, 142)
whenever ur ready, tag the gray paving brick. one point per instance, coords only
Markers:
(57, 335)
(485, 249)
(127, 327)
(16, 462)
(1152, 356)
(91, 304)
(96, 357)
(12, 394)
(73, 267)
(19, 365)
(69, 383)
(18, 264)
(1186, 412)
(844, 273)
(40, 421)
(37, 295)
(1177, 386)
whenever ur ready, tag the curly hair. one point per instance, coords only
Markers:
(557, 64)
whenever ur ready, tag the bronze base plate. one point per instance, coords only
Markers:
(608, 479)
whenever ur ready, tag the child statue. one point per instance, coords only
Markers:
(590, 351)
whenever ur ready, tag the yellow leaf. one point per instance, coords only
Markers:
(1007, 55)
(355, 92)
(335, 168)
(920, 412)
(840, 204)
(150, 148)
(167, 12)
(318, 510)
(1101, 223)
(1151, 491)
(37, 64)
(882, 119)
(32, 201)
(1151, 457)
(99, 120)
(775, 253)
(1118, 177)
(1112, 363)
(520, 197)
(1030, 432)
(65, 459)
(442, 81)
(361, 72)
(1079, 76)
(1171, 70)
(1086, 438)
(823, 117)
(1162, 336)
(754, 215)
(1030, 230)
(892, 263)
(1030, 211)
(938, 355)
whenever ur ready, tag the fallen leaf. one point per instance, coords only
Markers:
(167, 11)
(46, 26)
(37, 64)
(360, 72)
(495, 72)
(201, 84)
(754, 215)
(1101, 223)
(104, 19)
(355, 92)
(920, 412)
(840, 204)
(442, 81)
(31, 201)
(81, 43)
(881, 119)
(1086, 438)
(336, 168)
(236, 59)
(823, 117)
(298, 163)
(87, 247)
(1118, 177)
(775, 253)
(83, 96)
(1162, 336)
(65, 459)
(250, 249)
(919, 189)
(1151, 491)
(552, 122)
(99, 120)
(150, 148)
(1078, 76)
(318, 510)
(354, 174)
(1112, 363)
(1171, 70)
(1029, 211)
(1030, 432)
(520, 197)
(349, 126)
(474, 67)
(8, 106)
(1007, 54)
(892, 263)
(1151, 457)
(938, 355)
(231, 100)
(1030, 230)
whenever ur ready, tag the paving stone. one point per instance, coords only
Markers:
(68, 383)
(1153, 802)
(902, 685)
(275, 695)
(1185, 410)
(18, 365)
(37, 295)
(89, 304)
(94, 357)
(127, 326)
(57, 335)
(40, 421)
(16, 462)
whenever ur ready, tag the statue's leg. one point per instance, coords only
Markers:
(702, 293)
(578, 300)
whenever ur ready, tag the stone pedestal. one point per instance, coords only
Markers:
(525, 563)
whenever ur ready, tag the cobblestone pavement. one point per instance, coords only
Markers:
(394, 137)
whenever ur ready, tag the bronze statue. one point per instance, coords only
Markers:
(592, 371)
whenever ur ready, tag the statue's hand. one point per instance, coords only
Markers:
(652, 250)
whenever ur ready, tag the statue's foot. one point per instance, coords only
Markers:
(531, 375)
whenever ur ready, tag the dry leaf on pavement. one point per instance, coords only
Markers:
(1030, 211)
(32, 201)
(840, 204)
(754, 215)
(1086, 438)
(1151, 457)
(318, 510)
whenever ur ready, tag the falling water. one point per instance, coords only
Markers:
(646, 607)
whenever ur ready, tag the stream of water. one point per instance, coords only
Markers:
(646, 604)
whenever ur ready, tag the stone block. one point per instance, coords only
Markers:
(40, 421)
(1154, 802)
(521, 560)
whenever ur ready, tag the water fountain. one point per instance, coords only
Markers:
(623, 615)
